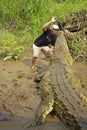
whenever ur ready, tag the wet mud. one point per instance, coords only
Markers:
(19, 96)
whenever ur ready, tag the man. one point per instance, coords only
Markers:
(44, 40)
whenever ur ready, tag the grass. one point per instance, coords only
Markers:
(24, 18)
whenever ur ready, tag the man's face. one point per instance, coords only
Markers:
(54, 31)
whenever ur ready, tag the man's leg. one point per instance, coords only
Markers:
(46, 51)
(33, 62)
(36, 52)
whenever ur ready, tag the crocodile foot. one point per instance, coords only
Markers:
(35, 122)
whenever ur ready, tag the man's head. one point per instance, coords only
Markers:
(54, 29)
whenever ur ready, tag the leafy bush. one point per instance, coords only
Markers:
(9, 45)
(75, 46)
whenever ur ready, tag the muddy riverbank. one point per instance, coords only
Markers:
(19, 97)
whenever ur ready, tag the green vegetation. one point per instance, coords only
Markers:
(75, 45)
(21, 20)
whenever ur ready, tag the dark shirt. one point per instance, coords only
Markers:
(45, 39)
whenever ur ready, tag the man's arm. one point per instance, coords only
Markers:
(45, 26)
(52, 47)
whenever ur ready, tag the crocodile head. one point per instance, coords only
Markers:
(61, 52)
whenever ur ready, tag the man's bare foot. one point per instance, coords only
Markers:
(33, 67)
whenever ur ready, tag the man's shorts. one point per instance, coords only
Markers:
(37, 50)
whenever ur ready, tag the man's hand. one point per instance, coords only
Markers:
(50, 51)
(45, 26)
(53, 19)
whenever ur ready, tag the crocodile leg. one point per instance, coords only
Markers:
(46, 105)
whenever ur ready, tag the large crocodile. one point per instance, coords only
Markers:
(59, 87)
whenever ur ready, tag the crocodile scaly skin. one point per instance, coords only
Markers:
(59, 87)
